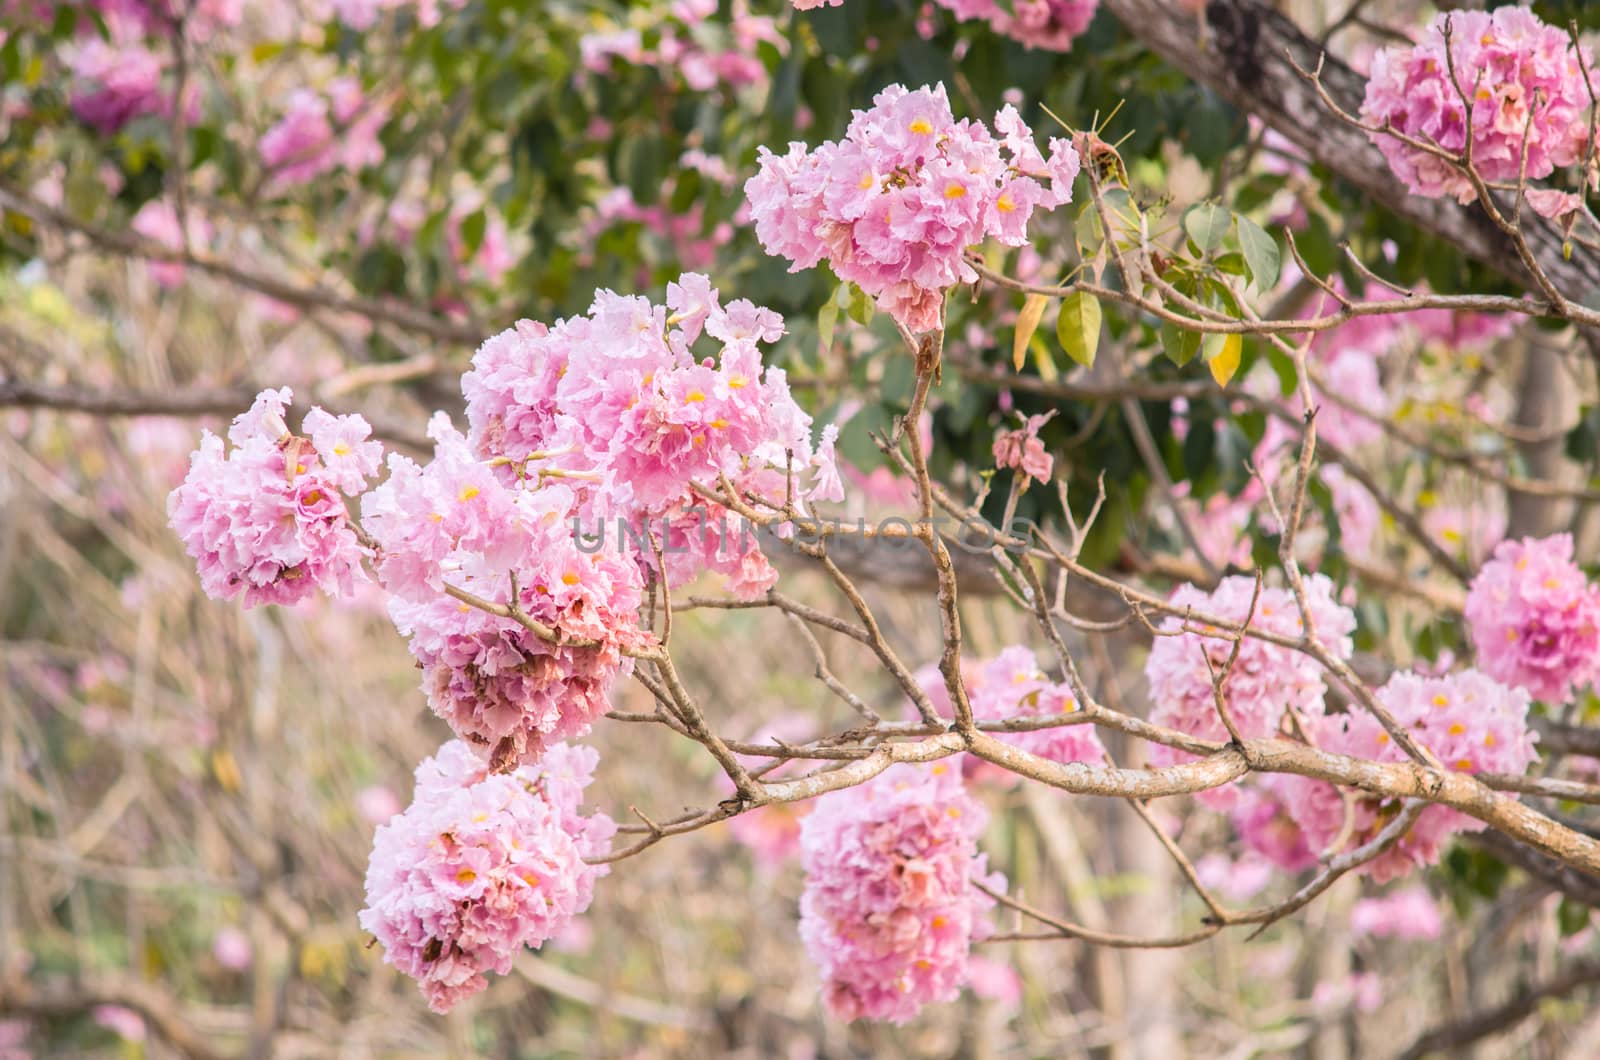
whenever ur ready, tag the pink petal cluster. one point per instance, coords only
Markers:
(267, 519)
(1268, 830)
(115, 81)
(1048, 24)
(1022, 449)
(1524, 82)
(480, 866)
(1011, 685)
(1409, 913)
(681, 53)
(621, 402)
(1469, 720)
(894, 205)
(890, 909)
(684, 230)
(1266, 679)
(320, 133)
(502, 687)
(157, 219)
(1535, 618)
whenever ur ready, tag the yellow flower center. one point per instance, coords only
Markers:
(921, 126)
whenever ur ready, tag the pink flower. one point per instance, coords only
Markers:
(1238, 880)
(231, 947)
(1355, 509)
(376, 804)
(158, 220)
(1269, 831)
(1535, 619)
(1554, 204)
(1011, 685)
(1410, 913)
(1470, 721)
(1266, 678)
(480, 866)
(121, 1021)
(267, 519)
(1469, 531)
(890, 909)
(501, 687)
(1048, 24)
(894, 206)
(318, 134)
(620, 401)
(115, 81)
(1022, 449)
(1523, 81)
(341, 443)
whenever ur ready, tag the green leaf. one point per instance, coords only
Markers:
(1180, 344)
(827, 320)
(1027, 324)
(1207, 224)
(861, 306)
(1260, 253)
(473, 227)
(1572, 917)
(1078, 327)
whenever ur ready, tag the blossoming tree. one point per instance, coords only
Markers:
(1108, 434)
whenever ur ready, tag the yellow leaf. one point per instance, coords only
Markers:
(1226, 360)
(226, 770)
(1027, 324)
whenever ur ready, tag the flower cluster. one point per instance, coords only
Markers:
(318, 134)
(117, 75)
(1265, 680)
(157, 219)
(1011, 685)
(268, 519)
(1522, 79)
(680, 52)
(894, 205)
(1022, 449)
(1410, 913)
(480, 866)
(1048, 24)
(1535, 619)
(618, 402)
(890, 909)
(509, 690)
(1470, 721)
